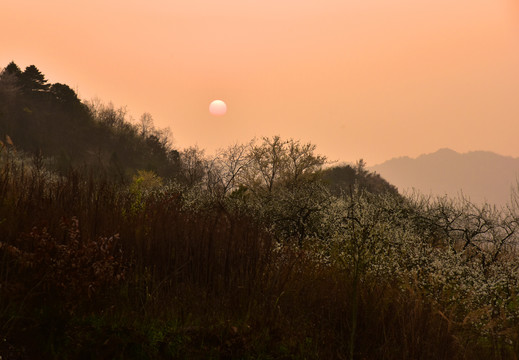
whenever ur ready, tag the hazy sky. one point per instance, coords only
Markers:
(370, 79)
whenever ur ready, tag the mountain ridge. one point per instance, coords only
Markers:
(482, 176)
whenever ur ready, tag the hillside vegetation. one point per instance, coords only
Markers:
(254, 252)
(50, 119)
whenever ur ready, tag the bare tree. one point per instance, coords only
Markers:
(267, 161)
(275, 160)
(193, 165)
(226, 169)
(474, 232)
(301, 160)
(145, 125)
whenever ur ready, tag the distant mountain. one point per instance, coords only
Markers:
(481, 176)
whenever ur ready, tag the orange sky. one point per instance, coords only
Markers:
(370, 79)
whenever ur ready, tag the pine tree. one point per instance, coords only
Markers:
(13, 69)
(34, 80)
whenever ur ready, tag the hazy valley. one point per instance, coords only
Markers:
(480, 176)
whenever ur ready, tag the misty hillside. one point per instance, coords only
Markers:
(480, 175)
(50, 120)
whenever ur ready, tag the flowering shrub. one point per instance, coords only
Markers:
(462, 257)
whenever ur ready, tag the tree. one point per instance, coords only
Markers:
(360, 167)
(33, 80)
(13, 69)
(301, 160)
(63, 93)
(9, 85)
(276, 161)
(296, 211)
(225, 170)
(145, 125)
(340, 179)
(10, 90)
(164, 137)
(267, 160)
(192, 165)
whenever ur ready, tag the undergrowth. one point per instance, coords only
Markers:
(93, 269)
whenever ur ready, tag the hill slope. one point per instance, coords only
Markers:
(49, 119)
(480, 175)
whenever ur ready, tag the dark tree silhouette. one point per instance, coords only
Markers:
(64, 94)
(34, 80)
(340, 179)
(50, 119)
(13, 69)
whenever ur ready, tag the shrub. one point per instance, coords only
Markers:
(66, 270)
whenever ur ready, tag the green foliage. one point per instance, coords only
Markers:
(143, 183)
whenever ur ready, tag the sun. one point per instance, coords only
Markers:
(218, 108)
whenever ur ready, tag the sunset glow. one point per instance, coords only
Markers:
(373, 79)
(259, 179)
